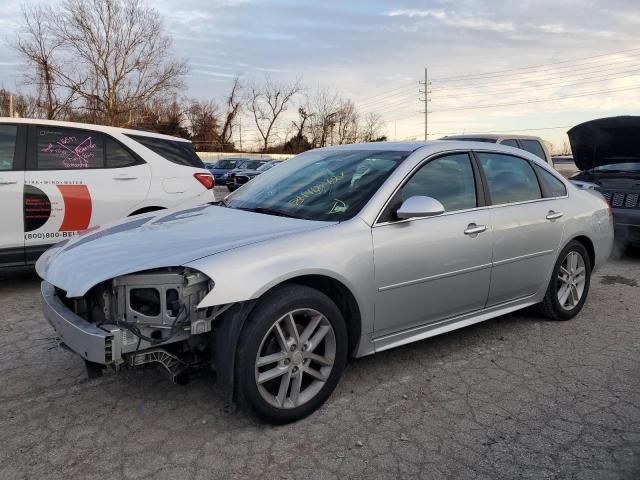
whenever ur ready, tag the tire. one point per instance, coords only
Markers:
(551, 307)
(230, 188)
(311, 367)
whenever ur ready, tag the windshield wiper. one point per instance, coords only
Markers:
(269, 211)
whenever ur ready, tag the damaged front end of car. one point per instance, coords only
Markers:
(150, 317)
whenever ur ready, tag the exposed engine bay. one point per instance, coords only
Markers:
(153, 316)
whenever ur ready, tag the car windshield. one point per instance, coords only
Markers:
(631, 167)
(224, 164)
(267, 166)
(319, 185)
(251, 164)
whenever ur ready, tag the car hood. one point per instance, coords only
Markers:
(219, 171)
(605, 140)
(173, 238)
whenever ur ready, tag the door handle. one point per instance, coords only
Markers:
(551, 215)
(473, 229)
(7, 182)
(124, 177)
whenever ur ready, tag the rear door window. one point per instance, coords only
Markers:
(533, 146)
(510, 142)
(68, 149)
(510, 179)
(8, 135)
(181, 153)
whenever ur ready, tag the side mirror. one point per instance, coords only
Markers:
(419, 206)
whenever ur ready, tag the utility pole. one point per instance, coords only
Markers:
(426, 101)
(11, 105)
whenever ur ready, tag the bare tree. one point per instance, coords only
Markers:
(347, 123)
(112, 54)
(233, 104)
(371, 128)
(18, 105)
(202, 117)
(324, 108)
(267, 102)
(39, 45)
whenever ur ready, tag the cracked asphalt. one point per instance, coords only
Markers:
(514, 397)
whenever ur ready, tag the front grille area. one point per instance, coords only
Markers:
(622, 199)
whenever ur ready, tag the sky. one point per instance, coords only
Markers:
(533, 67)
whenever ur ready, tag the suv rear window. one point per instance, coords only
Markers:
(181, 153)
(533, 146)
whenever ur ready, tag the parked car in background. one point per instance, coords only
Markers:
(239, 177)
(247, 165)
(344, 251)
(565, 165)
(529, 143)
(221, 168)
(607, 152)
(58, 179)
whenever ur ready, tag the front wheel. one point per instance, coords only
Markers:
(569, 285)
(291, 354)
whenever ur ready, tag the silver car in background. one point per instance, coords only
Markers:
(340, 252)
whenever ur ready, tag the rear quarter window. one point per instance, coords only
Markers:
(181, 153)
(551, 186)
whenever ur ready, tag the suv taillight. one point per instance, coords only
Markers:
(205, 179)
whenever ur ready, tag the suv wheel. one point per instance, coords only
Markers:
(569, 283)
(291, 354)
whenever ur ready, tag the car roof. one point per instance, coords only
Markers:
(491, 136)
(436, 146)
(90, 126)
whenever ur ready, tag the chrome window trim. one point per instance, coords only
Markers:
(377, 223)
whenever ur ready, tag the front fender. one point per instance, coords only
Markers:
(343, 253)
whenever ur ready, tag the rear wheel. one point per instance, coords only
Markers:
(291, 354)
(569, 283)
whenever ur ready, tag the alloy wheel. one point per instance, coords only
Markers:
(571, 280)
(295, 358)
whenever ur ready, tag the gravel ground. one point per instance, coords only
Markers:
(514, 397)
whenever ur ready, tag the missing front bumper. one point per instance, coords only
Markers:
(86, 339)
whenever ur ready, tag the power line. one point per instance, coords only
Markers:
(500, 72)
(476, 107)
(400, 103)
(460, 132)
(603, 78)
(395, 107)
(364, 99)
(567, 74)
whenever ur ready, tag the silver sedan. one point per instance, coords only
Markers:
(340, 252)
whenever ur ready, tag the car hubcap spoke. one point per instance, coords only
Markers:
(295, 358)
(571, 280)
(269, 359)
(271, 374)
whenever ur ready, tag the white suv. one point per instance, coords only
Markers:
(59, 178)
(529, 143)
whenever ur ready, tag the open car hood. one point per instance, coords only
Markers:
(605, 141)
(169, 239)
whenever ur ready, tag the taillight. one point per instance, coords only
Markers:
(205, 179)
(609, 210)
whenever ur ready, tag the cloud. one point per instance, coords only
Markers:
(453, 19)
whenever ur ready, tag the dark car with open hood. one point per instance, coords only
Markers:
(607, 151)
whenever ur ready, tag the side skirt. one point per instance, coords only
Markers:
(414, 334)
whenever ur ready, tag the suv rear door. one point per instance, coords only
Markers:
(12, 147)
(79, 178)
